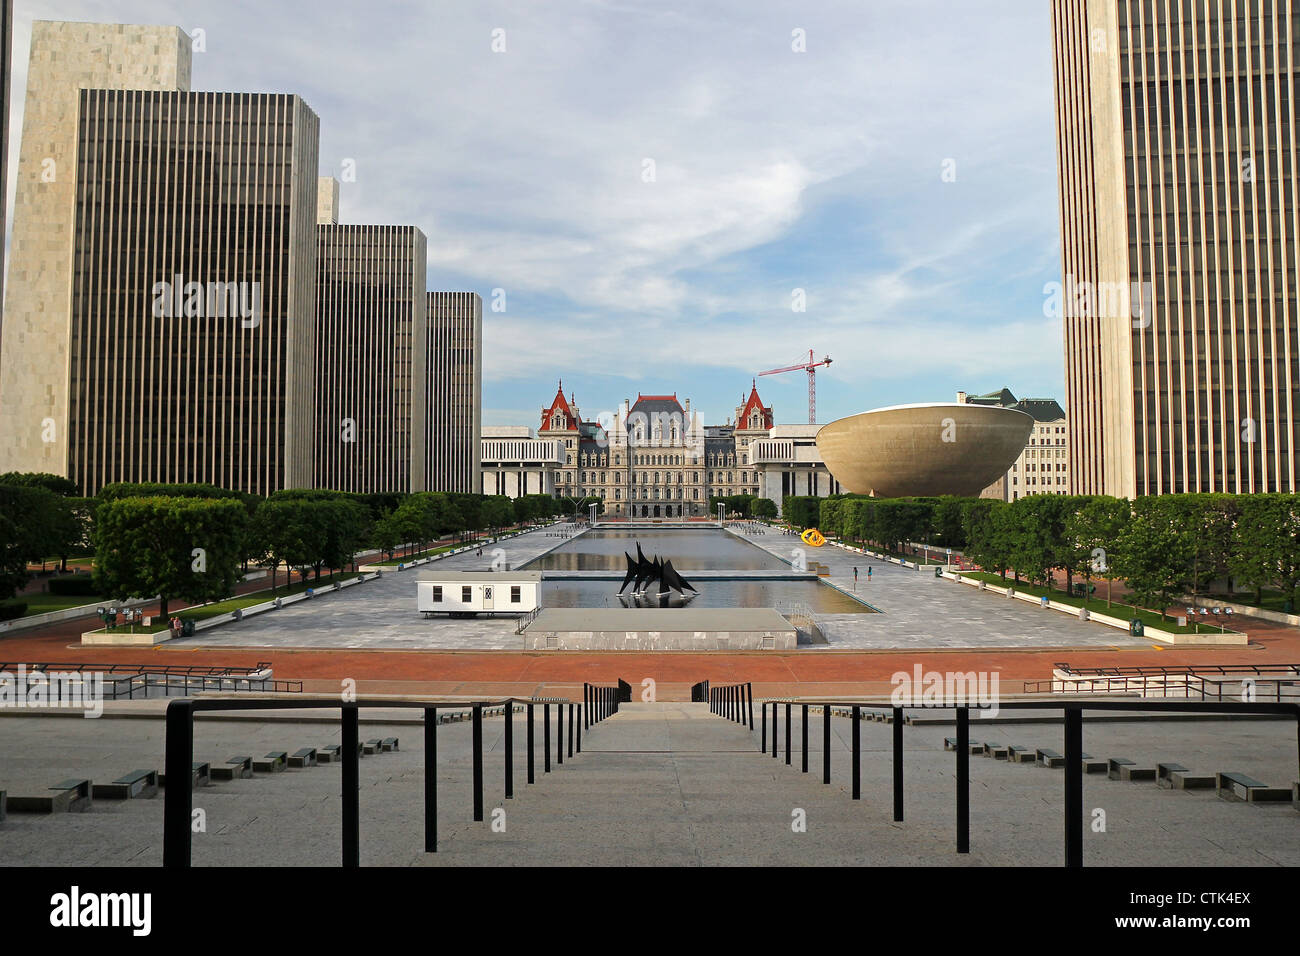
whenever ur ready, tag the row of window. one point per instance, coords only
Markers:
(466, 594)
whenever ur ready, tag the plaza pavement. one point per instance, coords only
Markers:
(919, 611)
(658, 784)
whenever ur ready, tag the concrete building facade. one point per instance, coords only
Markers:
(454, 392)
(372, 345)
(516, 463)
(35, 373)
(191, 346)
(1177, 163)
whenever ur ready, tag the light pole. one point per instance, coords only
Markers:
(592, 520)
(721, 508)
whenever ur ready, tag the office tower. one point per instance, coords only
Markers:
(34, 372)
(163, 286)
(454, 387)
(6, 70)
(1177, 162)
(372, 334)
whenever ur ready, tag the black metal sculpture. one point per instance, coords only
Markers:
(641, 573)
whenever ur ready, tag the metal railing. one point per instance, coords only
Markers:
(1072, 713)
(128, 681)
(525, 619)
(733, 701)
(1279, 682)
(178, 801)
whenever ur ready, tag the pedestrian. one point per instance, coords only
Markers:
(868, 574)
(855, 578)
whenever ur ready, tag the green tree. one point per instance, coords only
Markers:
(1154, 553)
(1265, 544)
(188, 548)
(1093, 525)
(764, 508)
(29, 519)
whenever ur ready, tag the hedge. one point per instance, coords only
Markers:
(74, 585)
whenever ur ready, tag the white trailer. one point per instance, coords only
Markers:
(468, 593)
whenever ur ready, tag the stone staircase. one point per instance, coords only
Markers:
(663, 784)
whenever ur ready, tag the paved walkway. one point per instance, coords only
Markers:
(658, 784)
(921, 611)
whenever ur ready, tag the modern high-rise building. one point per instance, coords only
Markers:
(35, 374)
(371, 346)
(1177, 162)
(6, 73)
(161, 302)
(454, 392)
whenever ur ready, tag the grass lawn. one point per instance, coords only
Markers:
(1116, 609)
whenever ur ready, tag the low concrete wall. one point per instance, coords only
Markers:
(536, 639)
(67, 614)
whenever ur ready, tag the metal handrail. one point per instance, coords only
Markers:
(733, 701)
(196, 670)
(1072, 713)
(178, 802)
(1088, 684)
(1177, 669)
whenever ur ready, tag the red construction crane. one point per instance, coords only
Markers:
(811, 367)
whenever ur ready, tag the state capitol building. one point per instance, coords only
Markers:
(654, 458)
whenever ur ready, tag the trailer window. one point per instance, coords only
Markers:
(514, 594)
(465, 595)
(437, 594)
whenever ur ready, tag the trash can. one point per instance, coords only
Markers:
(187, 628)
(1135, 627)
(938, 571)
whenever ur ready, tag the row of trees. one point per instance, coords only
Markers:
(1161, 546)
(747, 506)
(41, 518)
(192, 541)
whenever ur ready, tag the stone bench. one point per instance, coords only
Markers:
(236, 768)
(997, 751)
(137, 783)
(1093, 765)
(329, 753)
(1174, 776)
(389, 744)
(372, 746)
(1049, 758)
(67, 796)
(306, 757)
(1120, 768)
(200, 775)
(950, 743)
(274, 762)
(1020, 754)
(1238, 786)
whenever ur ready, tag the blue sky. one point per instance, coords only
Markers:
(774, 170)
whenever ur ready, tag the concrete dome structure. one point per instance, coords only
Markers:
(940, 448)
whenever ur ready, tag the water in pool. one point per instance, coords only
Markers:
(690, 550)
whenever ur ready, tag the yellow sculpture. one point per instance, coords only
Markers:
(813, 537)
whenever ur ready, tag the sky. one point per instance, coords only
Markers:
(671, 198)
